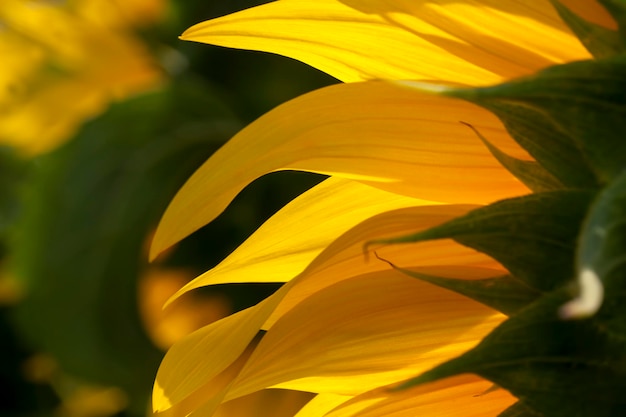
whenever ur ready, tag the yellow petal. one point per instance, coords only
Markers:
(362, 333)
(284, 245)
(322, 404)
(344, 258)
(470, 42)
(592, 11)
(279, 403)
(397, 139)
(196, 359)
(460, 396)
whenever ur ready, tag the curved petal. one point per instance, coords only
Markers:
(397, 139)
(592, 11)
(202, 355)
(470, 42)
(212, 352)
(359, 334)
(285, 244)
(282, 403)
(322, 404)
(460, 396)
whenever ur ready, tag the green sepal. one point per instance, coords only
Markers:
(603, 236)
(504, 294)
(599, 41)
(533, 175)
(617, 9)
(519, 409)
(555, 367)
(533, 236)
(570, 118)
(602, 249)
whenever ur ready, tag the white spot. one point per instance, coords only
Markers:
(588, 301)
(423, 86)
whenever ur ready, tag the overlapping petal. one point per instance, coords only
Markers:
(384, 135)
(208, 351)
(373, 330)
(345, 324)
(471, 42)
(285, 244)
(592, 11)
(461, 396)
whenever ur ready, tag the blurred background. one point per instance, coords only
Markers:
(103, 115)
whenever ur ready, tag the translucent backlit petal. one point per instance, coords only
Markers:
(193, 361)
(203, 355)
(397, 139)
(592, 11)
(470, 42)
(279, 403)
(284, 245)
(362, 333)
(460, 396)
(322, 404)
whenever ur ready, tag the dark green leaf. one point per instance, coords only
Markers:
(617, 8)
(571, 118)
(599, 41)
(534, 236)
(519, 409)
(602, 250)
(533, 175)
(556, 367)
(80, 244)
(505, 294)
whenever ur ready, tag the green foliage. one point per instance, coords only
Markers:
(79, 245)
(599, 41)
(505, 294)
(519, 409)
(603, 238)
(556, 367)
(617, 8)
(534, 236)
(572, 119)
(12, 173)
(531, 173)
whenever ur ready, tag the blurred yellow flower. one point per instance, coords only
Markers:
(65, 62)
(165, 327)
(344, 326)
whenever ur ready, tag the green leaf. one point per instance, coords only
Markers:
(13, 171)
(80, 243)
(534, 236)
(556, 367)
(519, 409)
(599, 41)
(533, 175)
(602, 250)
(570, 118)
(617, 8)
(505, 294)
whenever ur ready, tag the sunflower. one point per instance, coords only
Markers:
(461, 152)
(53, 80)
